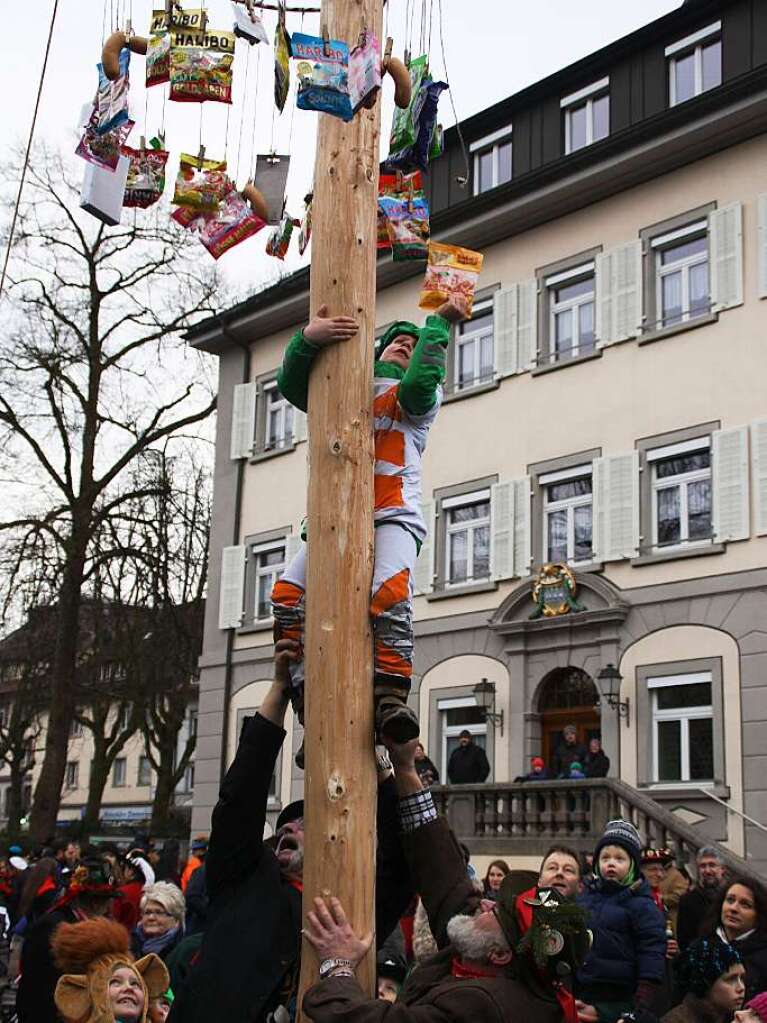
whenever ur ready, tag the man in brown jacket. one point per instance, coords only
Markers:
(478, 975)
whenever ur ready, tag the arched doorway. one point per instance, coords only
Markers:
(567, 696)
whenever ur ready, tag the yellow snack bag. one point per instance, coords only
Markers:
(451, 272)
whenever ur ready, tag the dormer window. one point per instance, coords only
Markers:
(587, 115)
(695, 64)
(492, 160)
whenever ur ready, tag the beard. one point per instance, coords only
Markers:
(471, 942)
(295, 865)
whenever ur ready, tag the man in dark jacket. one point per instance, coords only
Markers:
(479, 975)
(695, 905)
(468, 764)
(248, 964)
(90, 894)
(568, 752)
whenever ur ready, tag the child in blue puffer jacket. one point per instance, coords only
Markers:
(627, 959)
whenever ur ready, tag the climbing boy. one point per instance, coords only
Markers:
(408, 375)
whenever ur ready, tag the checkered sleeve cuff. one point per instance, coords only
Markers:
(416, 810)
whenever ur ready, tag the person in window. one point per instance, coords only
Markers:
(697, 903)
(423, 765)
(597, 763)
(568, 751)
(409, 371)
(711, 975)
(468, 764)
(739, 916)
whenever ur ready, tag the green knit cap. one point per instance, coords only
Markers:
(400, 327)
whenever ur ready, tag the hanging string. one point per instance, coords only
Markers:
(242, 117)
(104, 25)
(461, 139)
(431, 21)
(201, 106)
(164, 101)
(253, 156)
(25, 165)
(226, 131)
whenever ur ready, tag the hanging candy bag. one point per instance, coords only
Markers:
(233, 222)
(201, 184)
(279, 239)
(323, 75)
(248, 25)
(158, 60)
(364, 72)
(201, 66)
(403, 129)
(395, 185)
(146, 177)
(452, 272)
(407, 222)
(103, 150)
(282, 52)
(112, 97)
(417, 153)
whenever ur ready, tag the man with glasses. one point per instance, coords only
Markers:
(695, 904)
(249, 961)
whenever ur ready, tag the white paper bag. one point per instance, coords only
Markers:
(103, 191)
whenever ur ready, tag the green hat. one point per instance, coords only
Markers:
(400, 327)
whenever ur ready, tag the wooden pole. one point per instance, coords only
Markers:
(340, 778)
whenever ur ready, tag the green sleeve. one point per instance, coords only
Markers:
(418, 389)
(293, 377)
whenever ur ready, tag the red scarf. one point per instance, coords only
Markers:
(565, 998)
(461, 970)
(298, 885)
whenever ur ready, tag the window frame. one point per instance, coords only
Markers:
(573, 305)
(569, 505)
(664, 243)
(680, 481)
(454, 696)
(284, 411)
(143, 761)
(72, 769)
(649, 553)
(684, 715)
(652, 328)
(646, 774)
(481, 308)
(585, 97)
(477, 497)
(266, 383)
(491, 143)
(120, 784)
(538, 471)
(272, 571)
(269, 539)
(551, 273)
(693, 45)
(448, 494)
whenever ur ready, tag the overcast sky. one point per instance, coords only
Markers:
(493, 49)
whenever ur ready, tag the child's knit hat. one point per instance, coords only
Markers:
(537, 762)
(624, 834)
(759, 1005)
(702, 963)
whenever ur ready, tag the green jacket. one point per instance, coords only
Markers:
(419, 383)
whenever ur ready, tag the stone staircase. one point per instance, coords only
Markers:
(524, 819)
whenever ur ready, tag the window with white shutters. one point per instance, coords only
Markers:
(726, 229)
(729, 467)
(515, 319)
(762, 237)
(243, 436)
(502, 527)
(522, 530)
(423, 581)
(618, 293)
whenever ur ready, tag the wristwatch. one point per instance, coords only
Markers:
(328, 965)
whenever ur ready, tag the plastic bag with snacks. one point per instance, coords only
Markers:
(365, 72)
(403, 129)
(158, 59)
(112, 97)
(146, 177)
(201, 66)
(279, 239)
(323, 75)
(232, 223)
(201, 184)
(282, 52)
(103, 150)
(452, 272)
(396, 185)
(417, 153)
(407, 222)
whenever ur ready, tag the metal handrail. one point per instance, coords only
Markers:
(733, 809)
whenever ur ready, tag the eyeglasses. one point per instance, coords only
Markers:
(155, 912)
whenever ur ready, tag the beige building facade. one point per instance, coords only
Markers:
(605, 408)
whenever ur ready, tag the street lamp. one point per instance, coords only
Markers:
(484, 693)
(609, 679)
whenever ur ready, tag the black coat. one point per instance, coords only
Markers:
(597, 765)
(694, 908)
(196, 897)
(565, 756)
(468, 765)
(34, 999)
(250, 951)
(753, 949)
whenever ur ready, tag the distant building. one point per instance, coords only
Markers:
(605, 409)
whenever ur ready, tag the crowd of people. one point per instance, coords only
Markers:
(99, 935)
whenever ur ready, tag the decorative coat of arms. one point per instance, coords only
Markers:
(554, 592)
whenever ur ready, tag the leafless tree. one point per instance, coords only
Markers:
(93, 373)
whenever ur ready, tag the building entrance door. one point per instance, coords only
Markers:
(568, 697)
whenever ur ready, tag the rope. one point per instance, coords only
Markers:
(452, 101)
(242, 116)
(253, 155)
(29, 147)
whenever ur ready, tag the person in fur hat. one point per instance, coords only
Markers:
(101, 982)
(408, 375)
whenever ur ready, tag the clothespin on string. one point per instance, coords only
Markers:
(388, 49)
(251, 10)
(325, 40)
(410, 193)
(406, 58)
(142, 145)
(200, 157)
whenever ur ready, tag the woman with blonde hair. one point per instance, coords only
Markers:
(161, 920)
